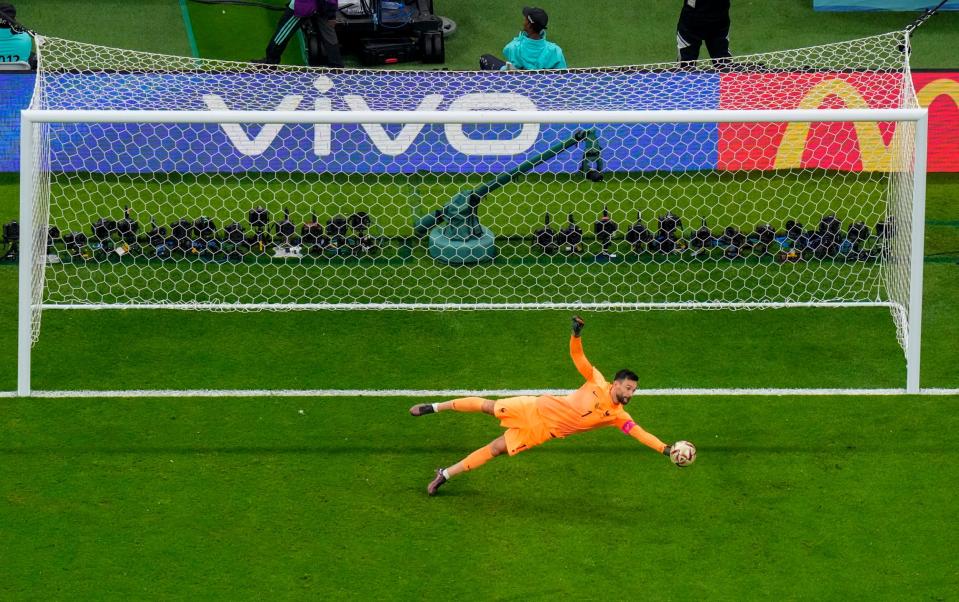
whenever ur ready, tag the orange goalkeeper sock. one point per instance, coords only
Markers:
(477, 458)
(468, 404)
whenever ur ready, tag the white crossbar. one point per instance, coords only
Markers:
(687, 116)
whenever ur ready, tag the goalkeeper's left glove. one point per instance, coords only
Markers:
(667, 450)
(578, 324)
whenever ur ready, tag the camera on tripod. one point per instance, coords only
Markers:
(638, 235)
(702, 240)
(605, 228)
(763, 237)
(314, 236)
(287, 242)
(259, 218)
(667, 233)
(128, 228)
(570, 238)
(102, 241)
(544, 239)
(362, 243)
(180, 238)
(204, 242)
(11, 239)
(234, 241)
(336, 228)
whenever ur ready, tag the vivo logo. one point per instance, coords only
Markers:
(384, 142)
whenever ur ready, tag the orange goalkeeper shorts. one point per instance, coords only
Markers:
(524, 426)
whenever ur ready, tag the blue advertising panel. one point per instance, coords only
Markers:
(373, 148)
(15, 92)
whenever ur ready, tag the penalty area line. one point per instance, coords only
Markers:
(451, 393)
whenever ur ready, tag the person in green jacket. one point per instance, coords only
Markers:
(530, 49)
(14, 46)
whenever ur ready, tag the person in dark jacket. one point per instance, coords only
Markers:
(290, 23)
(703, 21)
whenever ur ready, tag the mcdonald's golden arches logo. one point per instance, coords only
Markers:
(876, 155)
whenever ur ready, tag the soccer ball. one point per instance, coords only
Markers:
(683, 453)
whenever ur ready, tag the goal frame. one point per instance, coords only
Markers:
(28, 173)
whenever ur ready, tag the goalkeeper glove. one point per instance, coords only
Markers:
(577, 326)
(667, 450)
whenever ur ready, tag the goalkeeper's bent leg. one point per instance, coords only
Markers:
(477, 458)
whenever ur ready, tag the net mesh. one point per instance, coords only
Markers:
(288, 216)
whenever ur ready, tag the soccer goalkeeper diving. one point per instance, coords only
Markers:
(530, 420)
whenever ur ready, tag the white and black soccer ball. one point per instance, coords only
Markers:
(683, 453)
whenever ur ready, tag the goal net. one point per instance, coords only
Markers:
(769, 180)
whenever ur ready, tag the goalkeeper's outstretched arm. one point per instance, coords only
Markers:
(576, 349)
(645, 437)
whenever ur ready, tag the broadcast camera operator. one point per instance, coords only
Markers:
(15, 46)
(530, 49)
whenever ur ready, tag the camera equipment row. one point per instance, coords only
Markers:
(353, 236)
(793, 242)
(338, 236)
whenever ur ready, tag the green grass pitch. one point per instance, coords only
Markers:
(240, 498)
(813, 498)
(794, 498)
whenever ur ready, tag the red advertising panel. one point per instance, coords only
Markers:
(843, 146)
(940, 93)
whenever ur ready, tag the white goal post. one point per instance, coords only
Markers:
(894, 277)
(785, 179)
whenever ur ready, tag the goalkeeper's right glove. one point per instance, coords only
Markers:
(667, 450)
(578, 324)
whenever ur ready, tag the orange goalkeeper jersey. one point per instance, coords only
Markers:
(587, 408)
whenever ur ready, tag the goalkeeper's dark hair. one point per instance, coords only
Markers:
(625, 374)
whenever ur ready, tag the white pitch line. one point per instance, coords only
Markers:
(450, 393)
(300, 393)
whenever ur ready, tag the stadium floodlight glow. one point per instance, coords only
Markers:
(831, 137)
